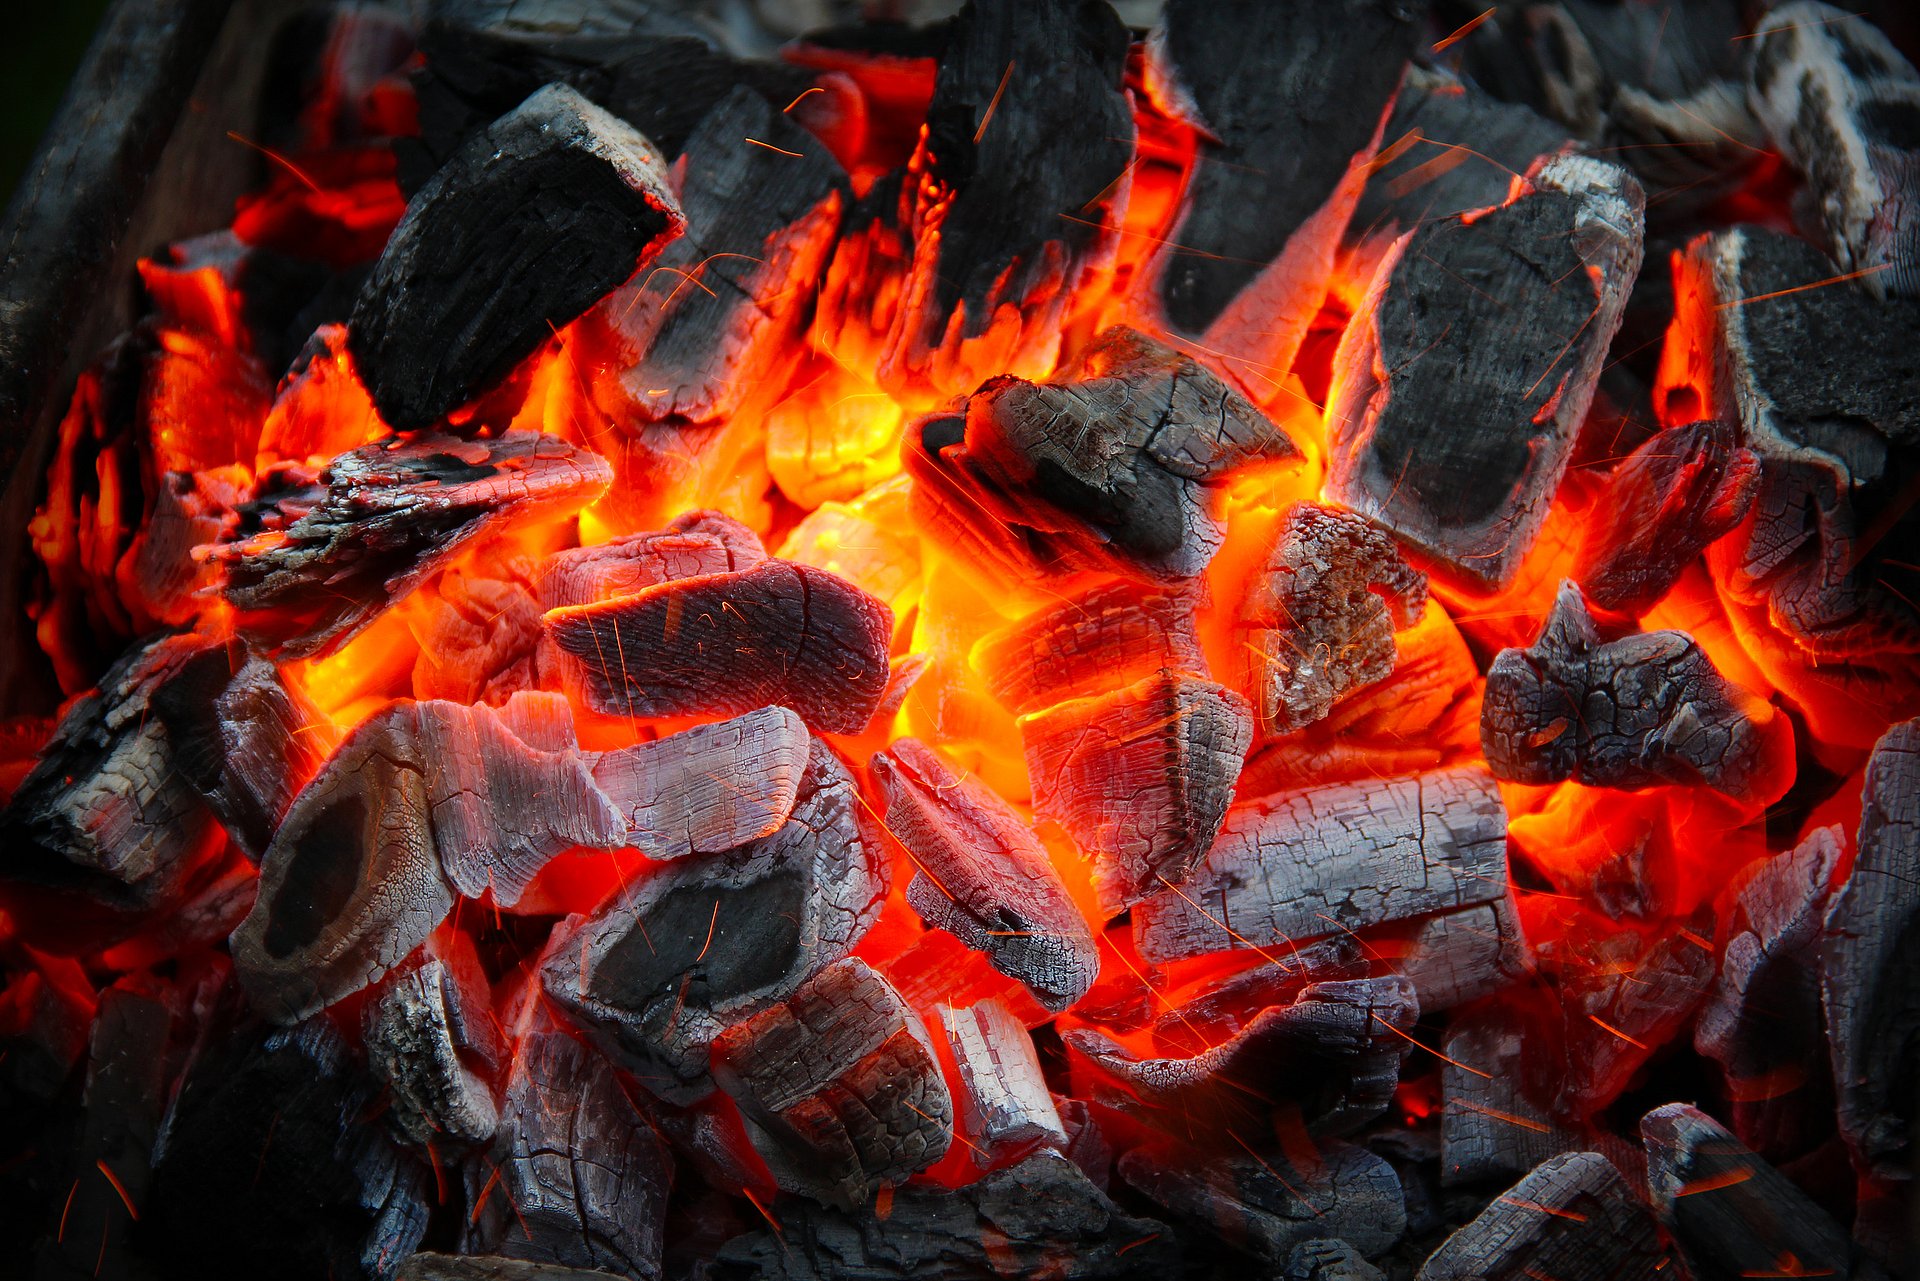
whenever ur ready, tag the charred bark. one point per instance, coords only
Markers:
(1111, 636)
(432, 1043)
(1574, 1218)
(1005, 1107)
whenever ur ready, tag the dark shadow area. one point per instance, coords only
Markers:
(44, 44)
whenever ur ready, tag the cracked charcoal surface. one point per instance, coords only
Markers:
(1573, 1218)
(692, 544)
(1004, 1102)
(431, 1043)
(710, 788)
(1112, 635)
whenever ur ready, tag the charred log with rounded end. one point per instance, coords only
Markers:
(1573, 1218)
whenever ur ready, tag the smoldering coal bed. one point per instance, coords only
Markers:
(1040, 638)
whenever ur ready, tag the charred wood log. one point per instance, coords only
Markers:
(526, 226)
(1109, 468)
(692, 545)
(675, 958)
(1140, 778)
(1663, 505)
(777, 633)
(1042, 1217)
(1318, 622)
(983, 876)
(1871, 980)
(1307, 864)
(1111, 636)
(314, 560)
(1762, 1021)
(432, 1042)
(1574, 1218)
(1460, 956)
(710, 788)
(1328, 1259)
(1840, 103)
(160, 577)
(1221, 1010)
(1288, 101)
(1267, 1204)
(1732, 1213)
(1492, 1130)
(1435, 341)
(427, 1266)
(1645, 710)
(839, 1085)
(1004, 1103)
(577, 1177)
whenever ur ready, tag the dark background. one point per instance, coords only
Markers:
(43, 44)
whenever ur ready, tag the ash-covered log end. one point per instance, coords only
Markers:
(523, 228)
(1573, 1218)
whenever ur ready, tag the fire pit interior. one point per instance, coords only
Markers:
(1041, 639)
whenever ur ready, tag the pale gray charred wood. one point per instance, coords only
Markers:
(1836, 425)
(1111, 635)
(1267, 1203)
(1004, 1103)
(1645, 710)
(1841, 104)
(1329, 1259)
(1303, 865)
(1288, 101)
(840, 1086)
(432, 1043)
(1111, 467)
(1334, 1052)
(1208, 1017)
(1495, 324)
(1573, 1218)
(693, 544)
(664, 966)
(1140, 778)
(582, 1176)
(1492, 1129)
(1762, 1022)
(312, 561)
(778, 633)
(1662, 506)
(422, 803)
(719, 311)
(1042, 1217)
(1870, 984)
(983, 876)
(527, 225)
(1026, 171)
(1318, 621)
(108, 812)
(563, 19)
(1732, 1214)
(1460, 956)
(710, 788)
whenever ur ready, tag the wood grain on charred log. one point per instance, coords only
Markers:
(524, 228)
(1645, 710)
(1004, 1103)
(313, 560)
(1573, 1218)
(1491, 1128)
(1110, 636)
(710, 788)
(693, 543)
(840, 1084)
(1302, 865)
(1451, 420)
(1140, 778)
(432, 1043)
(983, 876)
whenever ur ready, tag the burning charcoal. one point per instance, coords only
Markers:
(1113, 635)
(728, 643)
(1823, 552)
(1329, 1259)
(107, 813)
(427, 1266)
(478, 629)
(422, 802)
(1319, 620)
(1573, 1218)
(1839, 102)
(1004, 1102)
(1042, 1217)
(1021, 180)
(1219, 1011)
(694, 544)
(1451, 424)
(190, 509)
(1306, 864)
(577, 1177)
(1268, 1204)
(710, 788)
(983, 876)
(1335, 1052)
(1662, 506)
(676, 957)
(839, 1085)
(1637, 712)
(1461, 956)
(525, 227)
(1732, 1213)
(1139, 778)
(1491, 1131)
(1288, 101)
(1110, 468)
(718, 313)
(1871, 984)
(314, 563)
(1762, 1021)
(432, 1043)
(266, 1165)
